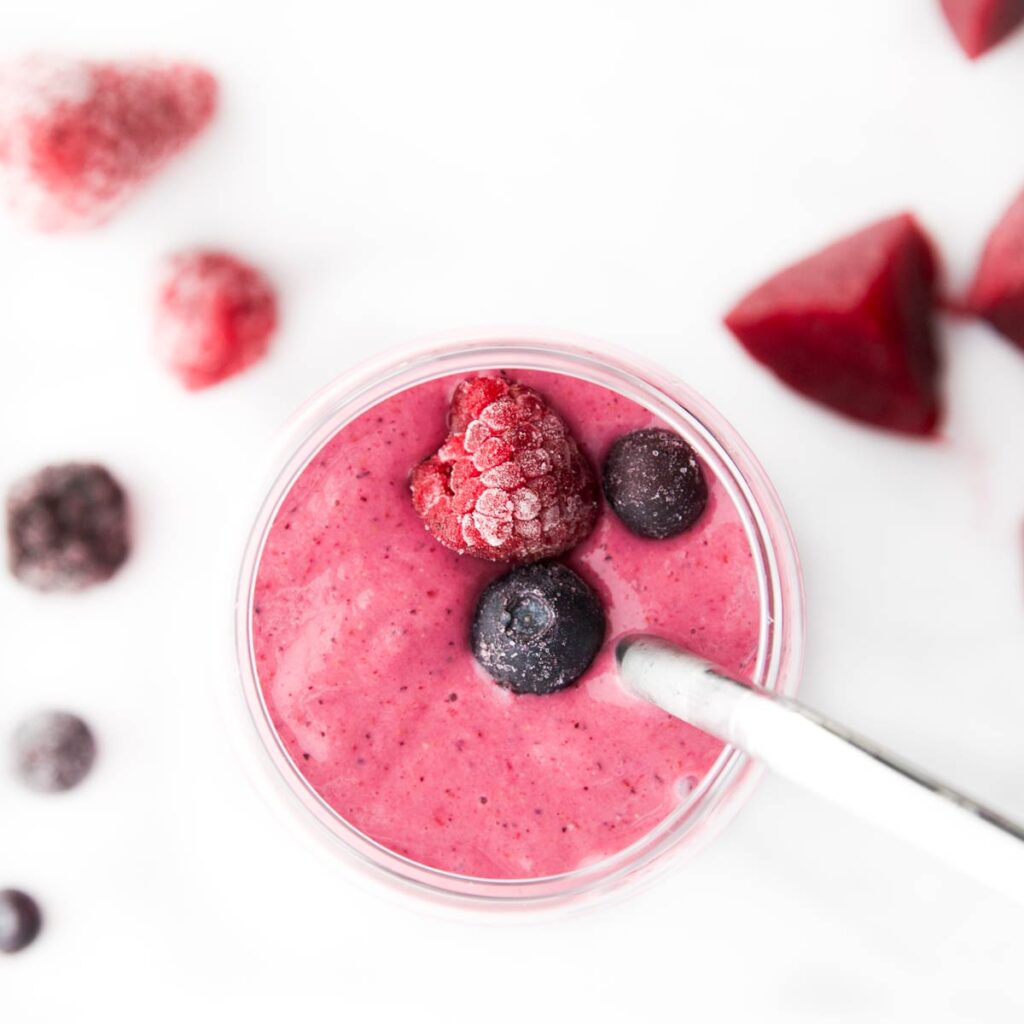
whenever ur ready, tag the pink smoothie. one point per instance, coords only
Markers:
(361, 624)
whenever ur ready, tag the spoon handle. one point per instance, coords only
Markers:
(829, 759)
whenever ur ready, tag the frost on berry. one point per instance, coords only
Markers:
(510, 482)
(77, 138)
(67, 527)
(215, 317)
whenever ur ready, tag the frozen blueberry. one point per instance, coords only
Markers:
(654, 483)
(20, 920)
(53, 751)
(537, 629)
(67, 527)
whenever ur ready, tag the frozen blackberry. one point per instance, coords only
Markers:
(20, 920)
(67, 527)
(537, 629)
(53, 751)
(654, 483)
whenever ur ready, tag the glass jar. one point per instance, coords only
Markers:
(721, 791)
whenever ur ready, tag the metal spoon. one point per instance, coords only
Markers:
(830, 760)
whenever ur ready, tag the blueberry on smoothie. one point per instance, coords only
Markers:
(53, 751)
(67, 527)
(537, 629)
(654, 483)
(20, 920)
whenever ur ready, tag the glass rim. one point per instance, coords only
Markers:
(723, 788)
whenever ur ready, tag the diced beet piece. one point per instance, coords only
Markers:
(851, 326)
(981, 24)
(997, 293)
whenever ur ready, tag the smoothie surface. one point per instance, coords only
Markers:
(360, 629)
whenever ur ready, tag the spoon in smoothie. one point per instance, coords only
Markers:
(830, 760)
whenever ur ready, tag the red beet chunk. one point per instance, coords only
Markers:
(851, 326)
(67, 527)
(981, 24)
(997, 293)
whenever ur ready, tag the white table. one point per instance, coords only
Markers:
(618, 168)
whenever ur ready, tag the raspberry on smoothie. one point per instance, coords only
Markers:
(509, 482)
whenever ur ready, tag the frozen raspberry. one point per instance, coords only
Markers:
(67, 527)
(851, 326)
(78, 137)
(215, 316)
(980, 24)
(997, 294)
(509, 483)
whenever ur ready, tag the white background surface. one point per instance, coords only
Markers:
(623, 169)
